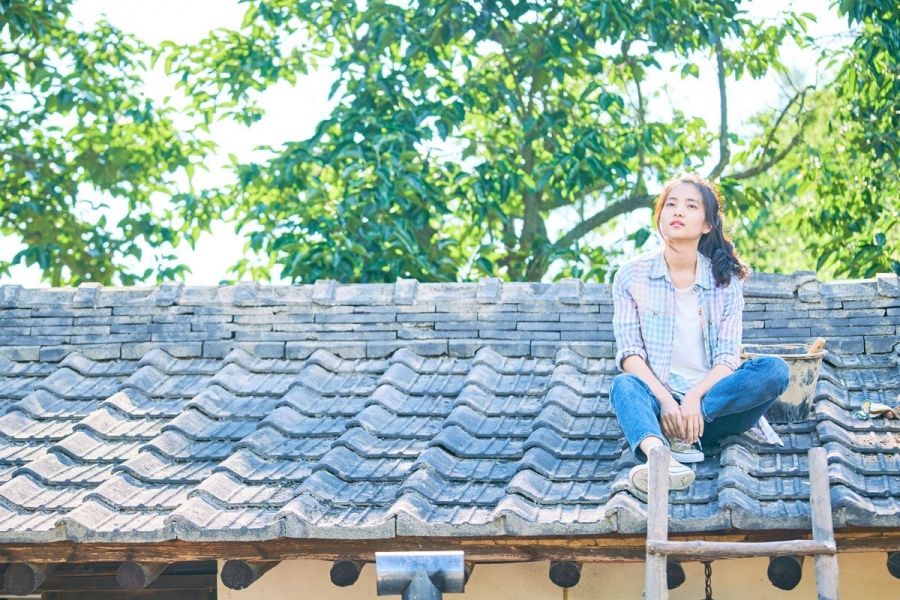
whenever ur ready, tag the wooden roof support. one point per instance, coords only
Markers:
(134, 576)
(893, 564)
(469, 566)
(22, 579)
(565, 573)
(785, 571)
(345, 572)
(583, 549)
(241, 574)
(674, 574)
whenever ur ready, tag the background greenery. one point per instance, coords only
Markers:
(460, 130)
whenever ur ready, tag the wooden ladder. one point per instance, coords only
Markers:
(822, 546)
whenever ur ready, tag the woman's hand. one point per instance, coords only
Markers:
(692, 417)
(670, 417)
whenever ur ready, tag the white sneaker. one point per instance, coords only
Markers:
(680, 476)
(684, 452)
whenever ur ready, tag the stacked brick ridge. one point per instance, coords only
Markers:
(432, 319)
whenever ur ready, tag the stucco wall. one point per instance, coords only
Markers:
(861, 576)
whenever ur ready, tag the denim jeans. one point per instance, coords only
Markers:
(730, 407)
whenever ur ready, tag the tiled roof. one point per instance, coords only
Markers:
(251, 413)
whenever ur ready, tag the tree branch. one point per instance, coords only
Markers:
(629, 60)
(518, 89)
(724, 152)
(760, 168)
(631, 203)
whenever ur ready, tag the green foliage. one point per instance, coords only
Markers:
(508, 138)
(74, 126)
(833, 202)
(462, 127)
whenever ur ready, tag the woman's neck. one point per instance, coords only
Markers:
(681, 259)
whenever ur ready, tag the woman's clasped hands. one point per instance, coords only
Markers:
(685, 421)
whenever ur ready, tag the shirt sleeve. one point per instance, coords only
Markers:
(728, 346)
(626, 324)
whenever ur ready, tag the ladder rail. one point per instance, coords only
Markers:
(822, 546)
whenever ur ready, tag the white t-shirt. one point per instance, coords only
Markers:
(689, 361)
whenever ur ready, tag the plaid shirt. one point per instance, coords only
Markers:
(644, 320)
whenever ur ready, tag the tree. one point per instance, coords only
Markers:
(462, 127)
(465, 134)
(842, 178)
(79, 142)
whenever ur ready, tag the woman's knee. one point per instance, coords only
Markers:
(623, 385)
(776, 372)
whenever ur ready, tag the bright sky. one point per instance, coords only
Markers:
(293, 112)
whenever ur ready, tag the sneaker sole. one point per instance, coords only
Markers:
(682, 480)
(688, 457)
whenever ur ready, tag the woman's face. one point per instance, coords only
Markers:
(683, 216)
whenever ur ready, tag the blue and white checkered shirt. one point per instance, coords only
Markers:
(644, 321)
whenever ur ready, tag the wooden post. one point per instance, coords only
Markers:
(823, 529)
(135, 576)
(565, 573)
(655, 582)
(785, 572)
(346, 572)
(893, 564)
(22, 579)
(239, 574)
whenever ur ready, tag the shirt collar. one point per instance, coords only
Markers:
(659, 268)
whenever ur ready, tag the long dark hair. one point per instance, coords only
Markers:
(715, 245)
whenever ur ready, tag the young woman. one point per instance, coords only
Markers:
(678, 331)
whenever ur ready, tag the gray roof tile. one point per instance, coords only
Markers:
(125, 493)
(250, 467)
(275, 445)
(16, 425)
(150, 467)
(110, 424)
(350, 466)
(454, 468)
(59, 470)
(27, 494)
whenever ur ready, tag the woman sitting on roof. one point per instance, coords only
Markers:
(678, 331)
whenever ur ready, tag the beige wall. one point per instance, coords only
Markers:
(861, 576)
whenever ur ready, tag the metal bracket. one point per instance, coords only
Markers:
(420, 575)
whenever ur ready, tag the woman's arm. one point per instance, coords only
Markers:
(690, 404)
(670, 413)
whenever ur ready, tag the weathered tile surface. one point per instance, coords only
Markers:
(511, 434)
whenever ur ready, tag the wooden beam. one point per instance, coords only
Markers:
(120, 594)
(655, 582)
(240, 574)
(134, 576)
(823, 530)
(345, 572)
(565, 573)
(583, 549)
(785, 572)
(717, 550)
(22, 578)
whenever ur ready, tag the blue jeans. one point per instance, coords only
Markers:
(730, 407)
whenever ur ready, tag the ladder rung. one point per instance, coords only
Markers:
(705, 549)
